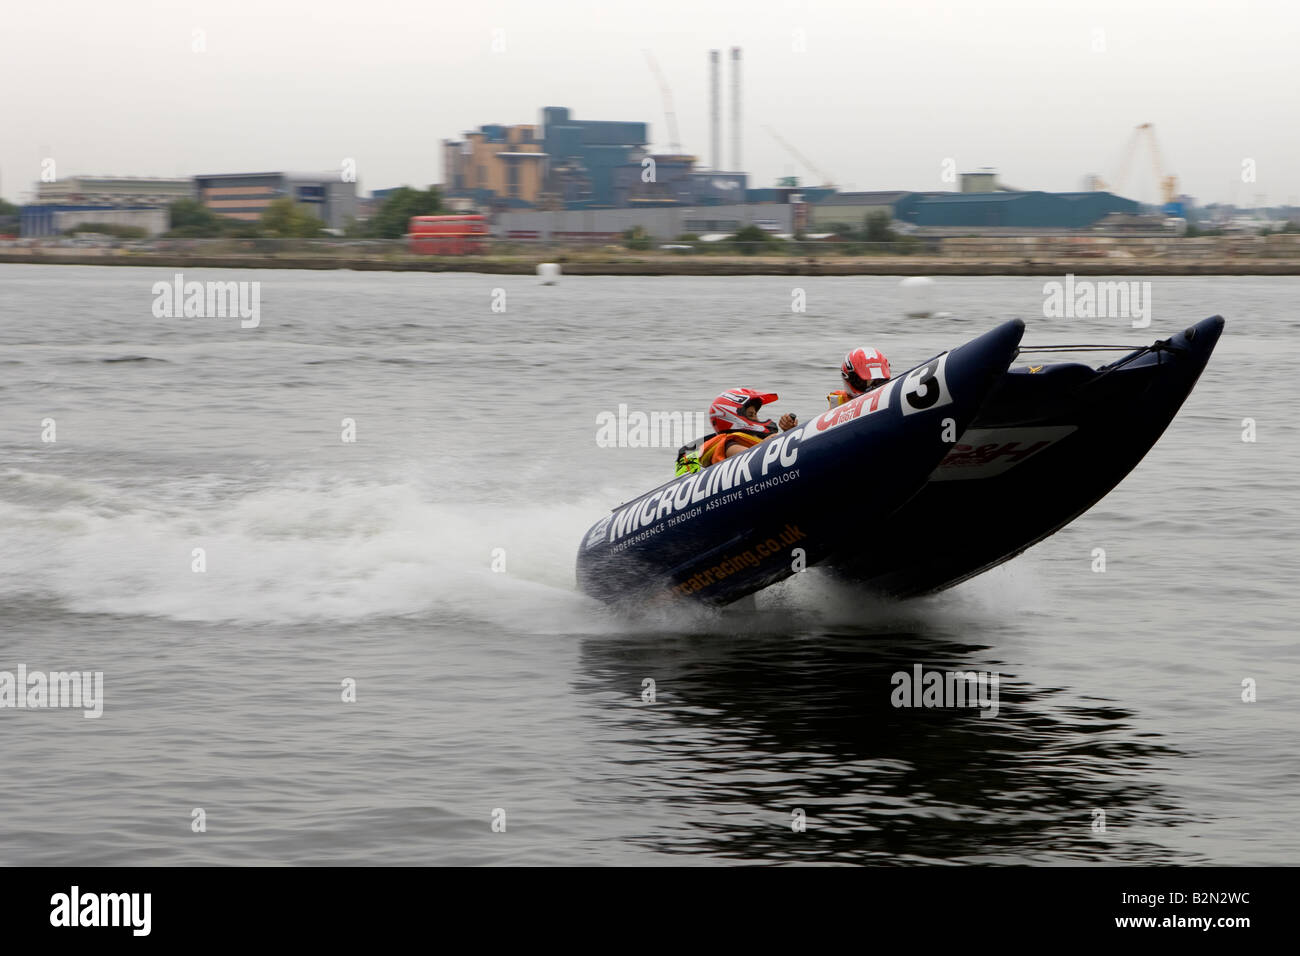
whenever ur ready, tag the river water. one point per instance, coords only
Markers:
(200, 531)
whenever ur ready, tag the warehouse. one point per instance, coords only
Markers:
(1001, 211)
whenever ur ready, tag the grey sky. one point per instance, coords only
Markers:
(884, 93)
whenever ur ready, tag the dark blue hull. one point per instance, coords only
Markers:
(798, 498)
(1044, 448)
(983, 462)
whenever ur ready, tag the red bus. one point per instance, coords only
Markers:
(448, 235)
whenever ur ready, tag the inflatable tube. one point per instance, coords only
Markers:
(1049, 443)
(797, 498)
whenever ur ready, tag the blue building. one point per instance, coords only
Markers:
(46, 220)
(1009, 210)
(582, 156)
(676, 182)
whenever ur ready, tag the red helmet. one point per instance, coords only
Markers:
(863, 369)
(725, 415)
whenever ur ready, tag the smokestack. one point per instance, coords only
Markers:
(735, 109)
(715, 113)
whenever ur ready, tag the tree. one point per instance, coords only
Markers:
(191, 219)
(285, 219)
(875, 228)
(636, 238)
(394, 216)
(751, 238)
(9, 217)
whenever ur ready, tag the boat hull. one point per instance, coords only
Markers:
(798, 498)
(1045, 447)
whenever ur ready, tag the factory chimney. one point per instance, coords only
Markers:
(715, 112)
(735, 109)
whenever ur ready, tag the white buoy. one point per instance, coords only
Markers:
(548, 272)
(918, 296)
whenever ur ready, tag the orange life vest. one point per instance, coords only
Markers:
(715, 449)
(839, 398)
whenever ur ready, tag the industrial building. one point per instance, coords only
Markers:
(983, 206)
(561, 163)
(114, 191)
(789, 193)
(583, 154)
(677, 182)
(137, 201)
(246, 196)
(46, 220)
(667, 180)
(663, 223)
(568, 163)
(495, 166)
(993, 212)
(852, 208)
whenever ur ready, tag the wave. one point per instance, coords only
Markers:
(326, 549)
(312, 549)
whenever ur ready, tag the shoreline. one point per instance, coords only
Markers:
(699, 265)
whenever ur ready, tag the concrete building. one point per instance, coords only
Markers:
(984, 181)
(789, 190)
(495, 166)
(114, 191)
(137, 201)
(122, 200)
(45, 220)
(246, 196)
(852, 208)
(663, 223)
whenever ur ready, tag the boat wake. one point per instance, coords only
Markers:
(318, 549)
(214, 548)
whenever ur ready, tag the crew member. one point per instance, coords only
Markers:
(862, 370)
(734, 415)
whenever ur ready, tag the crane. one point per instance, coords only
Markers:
(1167, 183)
(826, 180)
(1121, 171)
(670, 114)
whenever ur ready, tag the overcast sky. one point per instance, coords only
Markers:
(876, 95)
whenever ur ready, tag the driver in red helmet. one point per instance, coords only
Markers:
(734, 415)
(862, 370)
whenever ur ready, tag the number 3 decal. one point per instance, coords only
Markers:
(925, 387)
